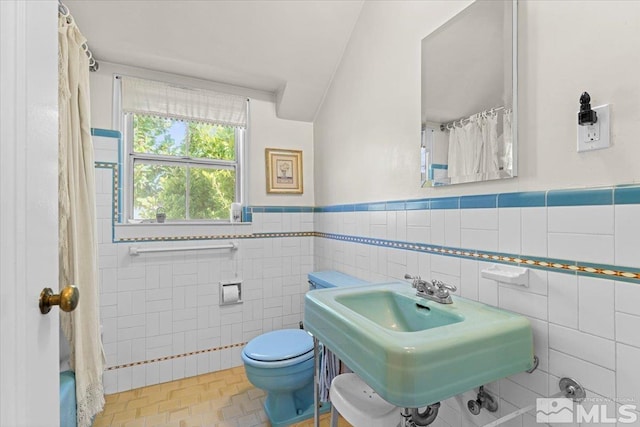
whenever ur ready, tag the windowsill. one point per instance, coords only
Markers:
(180, 224)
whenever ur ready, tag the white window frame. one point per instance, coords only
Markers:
(124, 122)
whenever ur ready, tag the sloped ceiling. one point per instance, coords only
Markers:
(288, 48)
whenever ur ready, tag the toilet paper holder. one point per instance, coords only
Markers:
(231, 292)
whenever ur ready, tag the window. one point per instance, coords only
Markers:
(184, 151)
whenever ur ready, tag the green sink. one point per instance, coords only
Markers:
(412, 351)
(397, 312)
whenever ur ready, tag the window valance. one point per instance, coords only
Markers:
(141, 96)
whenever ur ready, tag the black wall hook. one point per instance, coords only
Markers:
(586, 116)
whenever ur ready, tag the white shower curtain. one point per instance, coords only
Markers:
(490, 144)
(455, 164)
(474, 147)
(77, 221)
(507, 158)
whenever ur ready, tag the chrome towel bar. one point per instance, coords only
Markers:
(134, 251)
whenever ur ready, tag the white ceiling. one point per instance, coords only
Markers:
(289, 48)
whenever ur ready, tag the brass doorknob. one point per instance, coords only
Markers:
(67, 299)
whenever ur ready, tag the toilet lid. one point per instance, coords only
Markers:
(279, 345)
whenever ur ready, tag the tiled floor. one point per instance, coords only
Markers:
(220, 399)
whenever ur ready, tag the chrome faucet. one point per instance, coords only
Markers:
(435, 290)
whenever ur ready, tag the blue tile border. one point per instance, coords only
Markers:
(395, 206)
(418, 205)
(477, 202)
(117, 173)
(433, 167)
(528, 199)
(580, 197)
(109, 133)
(116, 206)
(626, 195)
(445, 203)
(622, 194)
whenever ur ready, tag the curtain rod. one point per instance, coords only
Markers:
(64, 11)
(449, 125)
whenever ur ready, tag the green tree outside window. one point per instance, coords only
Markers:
(174, 173)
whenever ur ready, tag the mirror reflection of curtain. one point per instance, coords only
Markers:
(455, 161)
(78, 249)
(474, 146)
(507, 135)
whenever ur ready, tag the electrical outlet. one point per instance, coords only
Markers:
(593, 132)
(597, 135)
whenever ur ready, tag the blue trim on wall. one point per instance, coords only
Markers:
(435, 166)
(278, 209)
(479, 202)
(445, 203)
(620, 195)
(109, 133)
(417, 205)
(395, 206)
(117, 135)
(580, 197)
(528, 199)
(626, 195)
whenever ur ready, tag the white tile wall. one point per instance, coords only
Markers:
(509, 230)
(522, 302)
(596, 248)
(590, 347)
(166, 304)
(628, 374)
(563, 299)
(627, 235)
(590, 375)
(583, 327)
(534, 231)
(438, 227)
(581, 219)
(468, 279)
(582, 233)
(452, 229)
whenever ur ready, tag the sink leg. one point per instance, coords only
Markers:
(316, 384)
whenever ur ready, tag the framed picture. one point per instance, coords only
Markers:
(284, 171)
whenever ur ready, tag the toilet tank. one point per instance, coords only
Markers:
(333, 279)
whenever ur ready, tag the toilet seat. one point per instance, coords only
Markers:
(279, 349)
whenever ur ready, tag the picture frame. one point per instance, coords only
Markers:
(284, 171)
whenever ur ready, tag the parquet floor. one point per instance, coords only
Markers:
(220, 399)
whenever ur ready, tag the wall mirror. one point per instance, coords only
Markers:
(469, 96)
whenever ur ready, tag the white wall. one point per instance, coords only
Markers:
(367, 131)
(266, 130)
